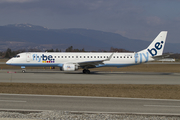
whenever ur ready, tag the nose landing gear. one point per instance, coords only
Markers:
(23, 69)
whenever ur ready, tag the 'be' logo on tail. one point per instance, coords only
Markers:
(157, 46)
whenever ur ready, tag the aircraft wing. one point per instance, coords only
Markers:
(94, 63)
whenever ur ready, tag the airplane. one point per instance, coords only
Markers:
(71, 61)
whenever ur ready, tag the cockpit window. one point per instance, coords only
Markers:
(17, 56)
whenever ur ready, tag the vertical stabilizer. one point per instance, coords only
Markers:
(157, 46)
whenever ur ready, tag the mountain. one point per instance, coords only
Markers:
(27, 36)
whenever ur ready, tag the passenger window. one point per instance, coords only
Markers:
(104, 57)
(94, 56)
(72, 56)
(114, 56)
(65, 56)
(61, 56)
(69, 56)
(76, 56)
(91, 57)
(84, 56)
(117, 57)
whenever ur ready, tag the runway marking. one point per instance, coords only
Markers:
(11, 101)
(92, 97)
(161, 106)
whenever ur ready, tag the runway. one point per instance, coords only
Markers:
(89, 104)
(40, 76)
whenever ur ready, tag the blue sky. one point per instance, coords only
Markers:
(137, 19)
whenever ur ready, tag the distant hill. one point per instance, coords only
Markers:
(27, 36)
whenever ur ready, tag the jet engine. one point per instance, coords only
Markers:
(69, 67)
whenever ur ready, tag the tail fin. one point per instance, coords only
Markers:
(157, 46)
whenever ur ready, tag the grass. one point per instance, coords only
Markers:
(171, 68)
(132, 91)
(4, 60)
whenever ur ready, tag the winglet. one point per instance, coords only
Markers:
(109, 57)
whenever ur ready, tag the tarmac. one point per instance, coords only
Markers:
(77, 77)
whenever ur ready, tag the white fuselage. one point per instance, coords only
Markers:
(59, 58)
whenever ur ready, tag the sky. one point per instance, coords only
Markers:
(136, 19)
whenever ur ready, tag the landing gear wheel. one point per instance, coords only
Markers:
(86, 71)
(23, 71)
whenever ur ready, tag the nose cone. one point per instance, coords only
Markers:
(9, 62)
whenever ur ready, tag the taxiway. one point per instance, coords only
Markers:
(77, 77)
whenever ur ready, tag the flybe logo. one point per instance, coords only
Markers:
(68, 67)
(43, 58)
(141, 57)
(157, 46)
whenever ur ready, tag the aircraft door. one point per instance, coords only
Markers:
(28, 57)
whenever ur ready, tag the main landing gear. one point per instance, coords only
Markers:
(86, 71)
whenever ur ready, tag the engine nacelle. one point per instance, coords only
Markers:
(69, 67)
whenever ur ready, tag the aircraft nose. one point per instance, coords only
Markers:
(9, 62)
